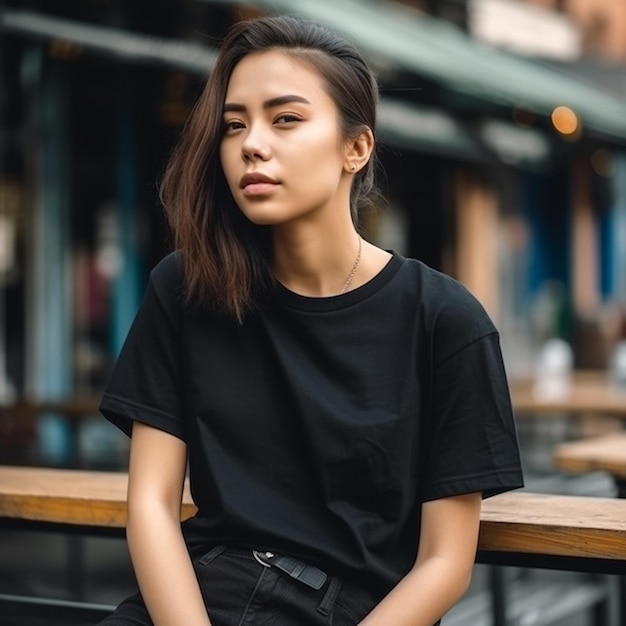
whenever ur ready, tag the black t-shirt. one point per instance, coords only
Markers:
(317, 426)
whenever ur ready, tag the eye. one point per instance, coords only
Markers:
(287, 118)
(232, 125)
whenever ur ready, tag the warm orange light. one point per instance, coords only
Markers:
(564, 120)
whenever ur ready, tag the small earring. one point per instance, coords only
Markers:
(353, 167)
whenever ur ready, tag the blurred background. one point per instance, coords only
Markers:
(502, 136)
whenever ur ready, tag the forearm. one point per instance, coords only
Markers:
(423, 596)
(164, 570)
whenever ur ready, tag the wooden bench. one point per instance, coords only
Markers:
(76, 500)
(517, 529)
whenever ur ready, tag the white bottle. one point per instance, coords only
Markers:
(554, 370)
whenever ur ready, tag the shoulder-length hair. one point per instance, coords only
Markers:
(226, 257)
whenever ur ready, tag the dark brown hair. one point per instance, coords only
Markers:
(225, 256)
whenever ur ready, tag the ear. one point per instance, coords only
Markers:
(358, 151)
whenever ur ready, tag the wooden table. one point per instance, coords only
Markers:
(605, 454)
(569, 533)
(577, 533)
(590, 393)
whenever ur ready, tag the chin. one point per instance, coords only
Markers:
(261, 218)
(263, 221)
(266, 216)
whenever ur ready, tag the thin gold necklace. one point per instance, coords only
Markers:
(354, 268)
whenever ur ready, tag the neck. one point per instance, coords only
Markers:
(318, 264)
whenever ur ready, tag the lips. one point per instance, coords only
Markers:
(256, 178)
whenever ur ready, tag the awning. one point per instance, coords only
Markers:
(428, 130)
(442, 53)
(111, 41)
(400, 123)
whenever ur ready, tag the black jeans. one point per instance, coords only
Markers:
(241, 590)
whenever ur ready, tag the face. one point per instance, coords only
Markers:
(282, 152)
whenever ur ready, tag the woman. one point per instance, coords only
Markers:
(342, 409)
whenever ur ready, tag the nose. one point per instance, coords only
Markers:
(255, 145)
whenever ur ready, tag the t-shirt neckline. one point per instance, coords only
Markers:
(289, 298)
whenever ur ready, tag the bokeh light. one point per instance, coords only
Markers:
(565, 121)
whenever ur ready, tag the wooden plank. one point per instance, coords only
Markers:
(69, 496)
(572, 526)
(606, 454)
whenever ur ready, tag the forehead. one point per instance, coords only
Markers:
(270, 73)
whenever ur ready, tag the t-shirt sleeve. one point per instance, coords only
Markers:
(472, 444)
(145, 384)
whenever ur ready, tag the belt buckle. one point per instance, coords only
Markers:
(258, 555)
(308, 575)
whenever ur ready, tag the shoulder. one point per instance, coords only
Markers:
(451, 313)
(168, 271)
(441, 296)
(167, 276)
(166, 282)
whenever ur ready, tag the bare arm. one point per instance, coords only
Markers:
(160, 558)
(442, 570)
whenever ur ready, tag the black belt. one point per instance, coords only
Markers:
(301, 571)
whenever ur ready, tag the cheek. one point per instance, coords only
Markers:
(320, 156)
(324, 166)
(228, 163)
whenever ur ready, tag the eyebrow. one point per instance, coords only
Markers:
(268, 104)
